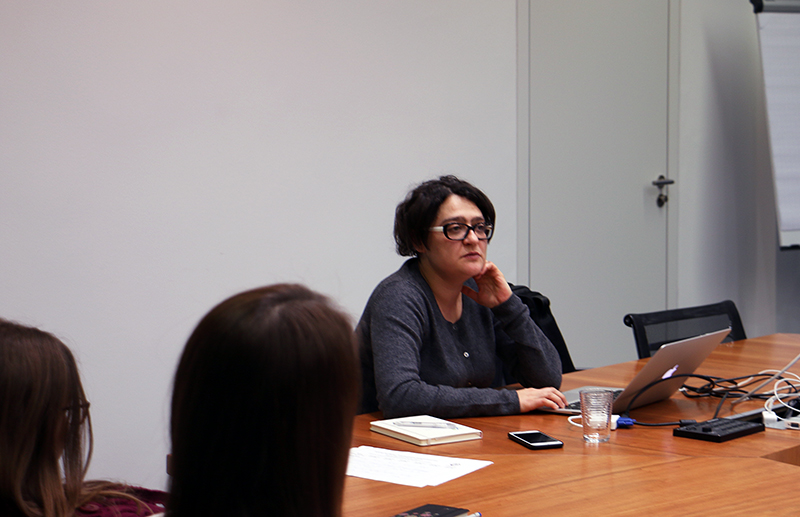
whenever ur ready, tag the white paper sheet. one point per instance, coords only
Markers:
(408, 468)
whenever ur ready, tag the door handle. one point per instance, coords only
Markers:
(662, 182)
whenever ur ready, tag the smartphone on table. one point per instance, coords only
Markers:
(535, 440)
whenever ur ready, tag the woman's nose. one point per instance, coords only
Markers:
(471, 236)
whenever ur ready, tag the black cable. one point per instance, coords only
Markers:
(719, 406)
(647, 387)
(715, 388)
(658, 424)
(659, 381)
(712, 388)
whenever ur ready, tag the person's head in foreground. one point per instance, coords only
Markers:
(46, 433)
(263, 405)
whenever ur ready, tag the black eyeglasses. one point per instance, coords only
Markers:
(83, 406)
(459, 231)
(82, 409)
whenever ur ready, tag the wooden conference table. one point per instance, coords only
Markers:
(642, 469)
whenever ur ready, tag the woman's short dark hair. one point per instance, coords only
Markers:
(263, 405)
(417, 212)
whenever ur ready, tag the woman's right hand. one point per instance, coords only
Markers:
(534, 398)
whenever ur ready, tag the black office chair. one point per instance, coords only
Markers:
(539, 307)
(651, 330)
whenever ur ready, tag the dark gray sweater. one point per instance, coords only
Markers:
(416, 362)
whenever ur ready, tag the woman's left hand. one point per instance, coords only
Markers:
(492, 287)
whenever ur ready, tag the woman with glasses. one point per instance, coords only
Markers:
(46, 436)
(438, 334)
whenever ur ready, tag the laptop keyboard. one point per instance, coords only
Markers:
(577, 404)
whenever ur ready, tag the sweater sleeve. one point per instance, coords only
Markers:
(399, 324)
(533, 360)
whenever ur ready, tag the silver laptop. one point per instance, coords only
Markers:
(673, 359)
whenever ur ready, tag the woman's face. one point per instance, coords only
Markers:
(455, 261)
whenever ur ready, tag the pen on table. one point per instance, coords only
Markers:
(432, 425)
(476, 514)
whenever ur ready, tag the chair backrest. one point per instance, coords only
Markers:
(539, 307)
(651, 330)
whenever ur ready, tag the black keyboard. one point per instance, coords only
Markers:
(718, 429)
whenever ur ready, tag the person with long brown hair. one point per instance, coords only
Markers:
(262, 410)
(46, 435)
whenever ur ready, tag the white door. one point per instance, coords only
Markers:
(597, 138)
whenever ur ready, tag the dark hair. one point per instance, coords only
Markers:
(263, 405)
(417, 212)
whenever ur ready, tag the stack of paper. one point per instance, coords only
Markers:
(408, 468)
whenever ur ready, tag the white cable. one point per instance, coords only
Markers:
(752, 379)
(777, 398)
(613, 425)
(752, 392)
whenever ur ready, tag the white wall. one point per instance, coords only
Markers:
(727, 231)
(157, 157)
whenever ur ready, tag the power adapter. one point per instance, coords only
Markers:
(772, 421)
